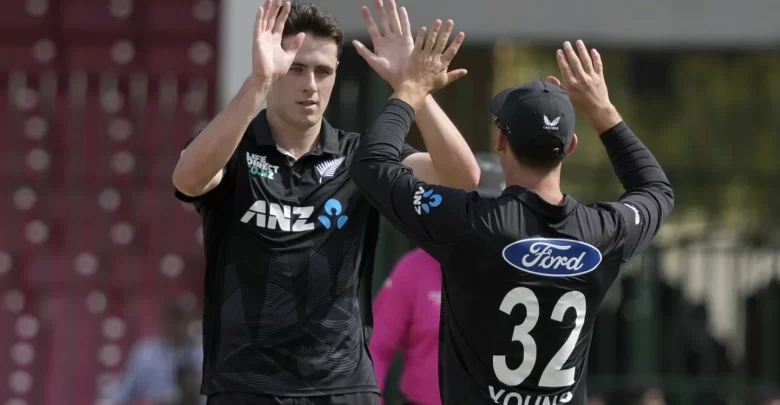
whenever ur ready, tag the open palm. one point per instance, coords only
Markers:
(427, 69)
(269, 60)
(392, 44)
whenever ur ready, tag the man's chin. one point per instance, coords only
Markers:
(307, 120)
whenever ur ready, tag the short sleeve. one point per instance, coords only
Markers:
(407, 151)
(228, 173)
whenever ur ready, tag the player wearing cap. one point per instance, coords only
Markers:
(524, 273)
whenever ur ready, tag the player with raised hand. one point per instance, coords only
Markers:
(393, 42)
(583, 79)
(524, 274)
(289, 240)
(201, 165)
(271, 61)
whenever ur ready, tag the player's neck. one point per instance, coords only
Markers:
(295, 140)
(547, 186)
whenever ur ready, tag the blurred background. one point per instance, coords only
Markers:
(98, 260)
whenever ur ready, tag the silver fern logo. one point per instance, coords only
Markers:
(328, 168)
(551, 125)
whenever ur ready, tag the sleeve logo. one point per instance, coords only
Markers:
(424, 200)
(637, 217)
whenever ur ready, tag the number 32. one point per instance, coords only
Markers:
(552, 376)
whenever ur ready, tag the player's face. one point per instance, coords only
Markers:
(301, 96)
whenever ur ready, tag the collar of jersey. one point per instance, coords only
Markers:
(530, 198)
(329, 136)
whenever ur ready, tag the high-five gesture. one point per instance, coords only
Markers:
(392, 44)
(582, 73)
(426, 70)
(269, 60)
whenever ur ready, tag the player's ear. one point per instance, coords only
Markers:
(500, 140)
(573, 144)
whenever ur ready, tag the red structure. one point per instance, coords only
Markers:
(97, 98)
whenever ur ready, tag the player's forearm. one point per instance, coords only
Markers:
(636, 167)
(377, 161)
(210, 151)
(450, 154)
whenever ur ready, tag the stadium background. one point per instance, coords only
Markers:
(98, 96)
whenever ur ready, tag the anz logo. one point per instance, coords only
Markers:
(552, 257)
(424, 200)
(333, 212)
(293, 219)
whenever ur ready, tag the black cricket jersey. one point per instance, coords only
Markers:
(523, 279)
(289, 257)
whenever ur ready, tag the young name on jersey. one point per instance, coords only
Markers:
(500, 396)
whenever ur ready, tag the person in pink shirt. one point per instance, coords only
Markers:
(406, 312)
(406, 316)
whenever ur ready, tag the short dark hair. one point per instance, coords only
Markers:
(310, 18)
(538, 154)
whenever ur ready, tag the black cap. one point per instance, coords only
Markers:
(491, 178)
(534, 109)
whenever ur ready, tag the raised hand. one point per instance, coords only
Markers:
(427, 67)
(582, 75)
(392, 44)
(269, 60)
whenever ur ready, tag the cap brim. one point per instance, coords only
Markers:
(498, 101)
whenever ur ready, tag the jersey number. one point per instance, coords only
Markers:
(553, 375)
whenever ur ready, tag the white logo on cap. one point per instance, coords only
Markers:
(551, 125)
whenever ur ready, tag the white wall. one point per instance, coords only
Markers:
(237, 18)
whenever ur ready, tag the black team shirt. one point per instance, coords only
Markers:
(289, 256)
(522, 278)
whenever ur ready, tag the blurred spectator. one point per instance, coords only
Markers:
(164, 370)
(406, 312)
(406, 316)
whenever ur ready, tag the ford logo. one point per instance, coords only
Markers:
(552, 257)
